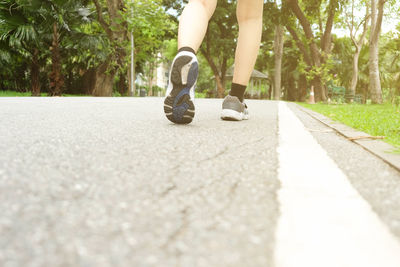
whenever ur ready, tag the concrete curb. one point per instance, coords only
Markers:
(379, 148)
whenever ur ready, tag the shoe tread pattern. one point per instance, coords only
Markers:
(178, 106)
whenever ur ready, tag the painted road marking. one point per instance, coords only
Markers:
(324, 221)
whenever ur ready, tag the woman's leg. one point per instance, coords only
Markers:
(178, 104)
(193, 23)
(249, 15)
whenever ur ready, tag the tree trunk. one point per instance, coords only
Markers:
(302, 95)
(278, 51)
(117, 34)
(219, 78)
(122, 86)
(354, 79)
(358, 44)
(320, 90)
(292, 91)
(220, 86)
(365, 88)
(151, 78)
(89, 81)
(35, 72)
(119, 29)
(374, 76)
(56, 77)
(104, 80)
(326, 42)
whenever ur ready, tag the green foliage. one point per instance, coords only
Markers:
(390, 63)
(201, 95)
(323, 72)
(26, 25)
(221, 33)
(271, 17)
(169, 49)
(205, 82)
(342, 60)
(150, 25)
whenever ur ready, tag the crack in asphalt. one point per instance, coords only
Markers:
(174, 235)
(176, 169)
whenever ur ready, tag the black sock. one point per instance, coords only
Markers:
(187, 49)
(238, 90)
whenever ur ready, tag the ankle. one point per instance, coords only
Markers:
(238, 91)
(187, 49)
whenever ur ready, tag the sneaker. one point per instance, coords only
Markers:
(233, 109)
(178, 104)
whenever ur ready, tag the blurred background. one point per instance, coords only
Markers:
(346, 50)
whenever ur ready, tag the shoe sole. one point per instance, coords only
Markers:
(233, 115)
(178, 106)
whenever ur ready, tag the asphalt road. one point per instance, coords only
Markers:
(111, 182)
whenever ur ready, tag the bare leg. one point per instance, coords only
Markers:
(194, 21)
(249, 16)
(178, 104)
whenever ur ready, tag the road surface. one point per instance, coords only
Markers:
(111, 182)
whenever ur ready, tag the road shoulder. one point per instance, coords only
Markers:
(379, 148)
(374, 179)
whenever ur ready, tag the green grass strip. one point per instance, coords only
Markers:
(376, 120)
(17, 94)
(28, 94)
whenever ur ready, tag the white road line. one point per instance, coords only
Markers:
(324, 222)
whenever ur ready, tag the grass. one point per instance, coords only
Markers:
(28, 94)
(376, 120)
(17, 94)
(200, 95)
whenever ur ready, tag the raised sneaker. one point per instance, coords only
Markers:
(233, 109)
(178, 103)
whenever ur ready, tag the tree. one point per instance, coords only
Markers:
(65, 17)
(342, 61)
(35, 29)
(389, 56)
(278, 52)
(376, 23)
(83, 49)
(354, 26)
(273, 18)
(111, 19)
(151, 25)
(56, 76)
(13, 77)
(315, 54)
(218, 47)
(18, 33)
(295, 81)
